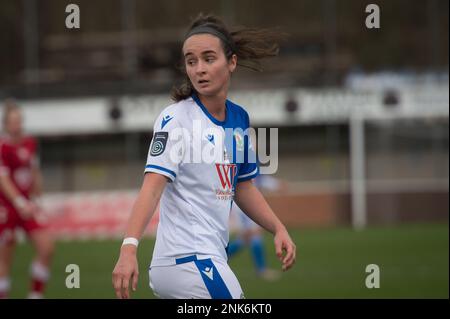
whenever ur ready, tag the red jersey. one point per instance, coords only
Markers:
(18, 160)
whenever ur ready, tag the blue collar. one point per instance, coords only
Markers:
(205, 110)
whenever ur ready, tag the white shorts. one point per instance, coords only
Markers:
(193, 278)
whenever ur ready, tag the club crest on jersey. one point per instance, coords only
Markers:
(226, 173)
(159, 143)
(239, 141)
(210, 138)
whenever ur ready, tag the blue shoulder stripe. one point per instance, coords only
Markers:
(160, 168)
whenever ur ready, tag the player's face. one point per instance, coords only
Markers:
(13, 123)
(206, 64)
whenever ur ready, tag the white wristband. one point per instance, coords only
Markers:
(130, 241)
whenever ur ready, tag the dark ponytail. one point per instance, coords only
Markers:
(249, 44)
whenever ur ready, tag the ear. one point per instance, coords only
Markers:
(232, 63)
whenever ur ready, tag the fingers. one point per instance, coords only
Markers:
(278, 249)
(283, 243)
(117, 284)
(125, 273)
(125, 285)
(29, 210)
(289, 252)
(135, 278)
(121, 283)
(289, 259)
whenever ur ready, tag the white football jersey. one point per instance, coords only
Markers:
(204, 159)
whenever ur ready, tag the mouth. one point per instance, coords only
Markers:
(202, 82)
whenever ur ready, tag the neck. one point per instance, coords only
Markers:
(215, 105)
(15, 138)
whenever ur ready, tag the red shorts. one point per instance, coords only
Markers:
(10, 220)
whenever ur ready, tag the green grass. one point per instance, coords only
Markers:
(331, 262)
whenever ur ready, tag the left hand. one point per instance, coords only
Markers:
(284, 243)
(40, 214)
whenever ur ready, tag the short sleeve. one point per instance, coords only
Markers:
(166, 149)
(249, 169)
(34, 147)
(4, 165)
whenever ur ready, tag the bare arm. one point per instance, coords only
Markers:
(7, 187)
(147, 200)
(37, 188)
(145, 204)
(252, 202)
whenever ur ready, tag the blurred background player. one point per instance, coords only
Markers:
(20, 188)
(251, 234)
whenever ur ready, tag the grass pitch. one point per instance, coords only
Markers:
(331, 263)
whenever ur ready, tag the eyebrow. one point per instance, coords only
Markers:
(203, 53)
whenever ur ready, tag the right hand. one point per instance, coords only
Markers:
(27, 209)
(126, 269)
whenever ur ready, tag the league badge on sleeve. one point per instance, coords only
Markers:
(159, 143)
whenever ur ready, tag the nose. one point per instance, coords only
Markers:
(200, 68)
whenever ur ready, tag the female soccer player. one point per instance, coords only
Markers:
(189, 258)
(20, 186)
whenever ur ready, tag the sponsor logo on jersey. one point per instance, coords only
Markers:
(226, 173)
